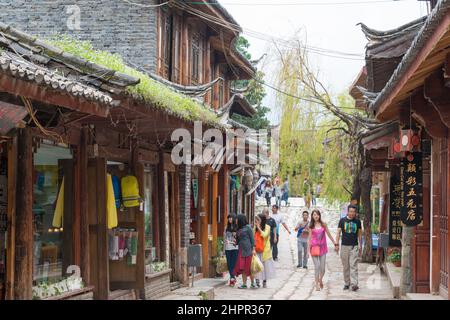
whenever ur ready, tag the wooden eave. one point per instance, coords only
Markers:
(429, 54)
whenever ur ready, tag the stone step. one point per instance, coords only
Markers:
(175, 285)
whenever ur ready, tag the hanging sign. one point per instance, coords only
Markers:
(411, 185)
(195, 192)
(395, 221)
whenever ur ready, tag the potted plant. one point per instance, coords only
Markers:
(216, 259)
(396, 258)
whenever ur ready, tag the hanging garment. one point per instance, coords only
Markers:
(113, 245)
(121, 245)
(238, 182)
(111, 210)
(130, 191)
(133, 250)
(59, 209)
(117, 191)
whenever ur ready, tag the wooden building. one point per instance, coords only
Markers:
(411, 92)
(68, 126)
(196, 48)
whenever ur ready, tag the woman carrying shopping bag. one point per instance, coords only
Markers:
(263, 250)
(317, 244)
(246, 245)
(230, 246)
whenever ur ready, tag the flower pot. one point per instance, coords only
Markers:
(398, 264)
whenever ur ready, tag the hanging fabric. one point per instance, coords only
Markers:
(133, 249)
(130, 191)
(111, 210)
(238, 182)
(117, 191)
(59, 209)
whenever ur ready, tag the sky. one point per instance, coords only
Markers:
(328, 24)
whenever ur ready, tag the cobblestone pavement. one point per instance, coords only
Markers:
(298, 284)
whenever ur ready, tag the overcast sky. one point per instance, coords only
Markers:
(329, 26)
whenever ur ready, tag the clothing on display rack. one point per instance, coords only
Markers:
(111, 209)
(59, 209)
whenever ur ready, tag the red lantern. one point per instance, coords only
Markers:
(405, 140)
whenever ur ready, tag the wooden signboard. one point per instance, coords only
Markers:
(395, 222)
(411, 182)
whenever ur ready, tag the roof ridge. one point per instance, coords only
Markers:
(65, 57)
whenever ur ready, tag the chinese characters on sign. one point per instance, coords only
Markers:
(411, 188)
(395, 222)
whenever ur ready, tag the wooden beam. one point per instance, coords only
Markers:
(426, 111)
(138, 169)
(84, 213)
(162, 207)
(436, 200)
(38, 92)
(438, 95)
(23, 273)
(215, 194)
(11, 243)
(204, 215)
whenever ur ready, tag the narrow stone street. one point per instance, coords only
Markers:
(298, 284)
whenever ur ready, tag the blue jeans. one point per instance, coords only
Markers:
(231, 256)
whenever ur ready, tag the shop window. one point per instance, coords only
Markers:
(153, 258)
(52, 213)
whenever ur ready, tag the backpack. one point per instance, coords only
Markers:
(130, 191)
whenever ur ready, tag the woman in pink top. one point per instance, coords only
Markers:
(317, 244)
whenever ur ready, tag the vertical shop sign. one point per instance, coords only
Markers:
(411, 182)
(395, 222)
(195, 192)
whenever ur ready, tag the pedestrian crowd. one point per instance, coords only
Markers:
(247, 247)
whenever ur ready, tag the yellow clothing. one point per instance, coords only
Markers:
(267, 253)
(111, 210)
(59, 209)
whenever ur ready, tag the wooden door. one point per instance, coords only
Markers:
(98, 236)
(421, 241)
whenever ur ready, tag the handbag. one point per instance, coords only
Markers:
(315, 251)
(256, 266)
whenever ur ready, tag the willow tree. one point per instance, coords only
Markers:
(299, 85)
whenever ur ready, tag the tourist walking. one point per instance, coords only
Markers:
(263, 250)
(279, 221)
(230, 246)
(246, 245)
(302, 230)
(351, 246)
(273, 226)
(268, 193)
(317, 244)
(277, 192)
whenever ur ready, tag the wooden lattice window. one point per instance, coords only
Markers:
(196, 59)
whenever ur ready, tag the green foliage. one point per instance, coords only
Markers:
(153, 92)
(254, 95)
(395, 256)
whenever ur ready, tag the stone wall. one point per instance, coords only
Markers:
(115, 26)
(157, 286)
